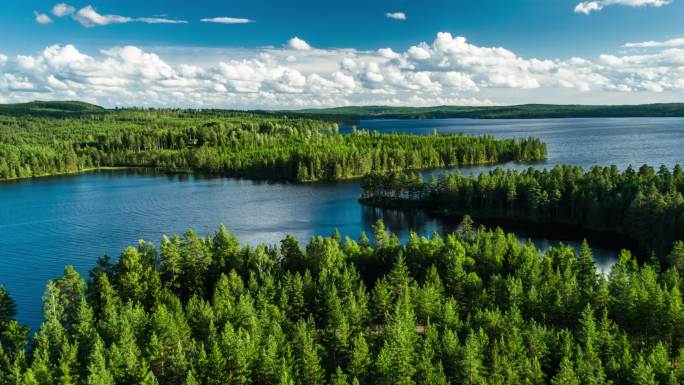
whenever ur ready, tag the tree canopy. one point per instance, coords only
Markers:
(473, 307)
(236, 144)
(645, 205)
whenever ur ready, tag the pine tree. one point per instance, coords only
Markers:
(396, 360)
(267, 368)
(586, 271)
(132, 275)
(360, 360)
(286, 377)
(8, 308)
(380, 234)
(566, 374)
(337, 330)
(226, 252)
(339, 378)
(190, 379)
(308, 362)
(98, 373)
(471, 364)
(428, 370)
(642, 373)
(29, 378)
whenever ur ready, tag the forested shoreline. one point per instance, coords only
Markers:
(233, 144)
(524, 111)
(473, 307)
(645, 205)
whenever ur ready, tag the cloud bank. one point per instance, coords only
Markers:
(587, 7)
(448, 70)
(678, 42)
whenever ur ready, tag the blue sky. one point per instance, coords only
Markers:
(547, 30)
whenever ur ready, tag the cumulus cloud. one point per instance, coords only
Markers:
(298, 44)
(448, 70)
(587, 7)
(63, 9)
(227, 20)
(388, 53)
(396, 15)
(678, 42)
(42, 18)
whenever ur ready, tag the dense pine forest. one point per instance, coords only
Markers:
(45, 141)
(475, 307)
(645, 205)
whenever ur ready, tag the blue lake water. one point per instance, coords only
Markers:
(48, 223)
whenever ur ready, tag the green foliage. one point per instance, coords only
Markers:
(8, 309)
(71, 138)
(477, 307)
(644, 205)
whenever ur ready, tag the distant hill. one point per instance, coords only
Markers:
(526, 111)
(54, 108)
(354, 113)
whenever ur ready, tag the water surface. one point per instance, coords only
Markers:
(48, 223)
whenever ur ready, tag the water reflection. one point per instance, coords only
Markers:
(604, 249)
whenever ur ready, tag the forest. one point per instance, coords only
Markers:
(473, 307)
(524, 111)
(38, 140)
(645, 205)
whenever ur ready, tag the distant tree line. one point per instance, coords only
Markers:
(233, 144)
(645, 205)
(474, 307)
(524, 111)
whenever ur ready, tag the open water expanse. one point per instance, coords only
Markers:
(48, 223)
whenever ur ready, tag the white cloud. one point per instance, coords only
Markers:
(396, 15)
(63, 9)
(298, 44)
(678, 42)
(88, 17)
(587, 7)
(227, 20)
(388, 53)
(448, 70)
(18, 83)
(42, 18)
(159, 20)
(421, 52)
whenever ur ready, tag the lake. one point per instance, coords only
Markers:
(48, 223)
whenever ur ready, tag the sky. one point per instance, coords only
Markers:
(305, 53)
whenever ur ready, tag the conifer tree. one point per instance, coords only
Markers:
(566, 374)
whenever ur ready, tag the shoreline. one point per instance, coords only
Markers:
(68, 173)
(562, 230)
(446, 168)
